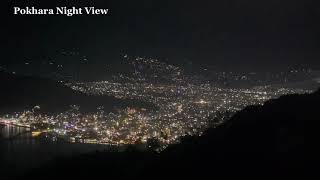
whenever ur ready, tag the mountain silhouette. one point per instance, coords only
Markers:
(20, 93)
(259, 142)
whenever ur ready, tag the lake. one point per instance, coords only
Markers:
(20, 152)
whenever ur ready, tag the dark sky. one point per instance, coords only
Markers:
(235, 33)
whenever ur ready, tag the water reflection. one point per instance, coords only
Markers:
(20, 152)
(15, 134)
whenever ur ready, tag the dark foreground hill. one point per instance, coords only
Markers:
(19, 93)
(259, 142)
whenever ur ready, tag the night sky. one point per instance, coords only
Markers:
(249, 34)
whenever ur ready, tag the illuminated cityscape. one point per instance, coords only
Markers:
(165, 89)
(182, 107)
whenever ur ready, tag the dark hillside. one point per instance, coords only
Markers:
(19, 93)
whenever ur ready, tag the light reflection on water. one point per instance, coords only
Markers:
(20, 152)
(16, 134)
